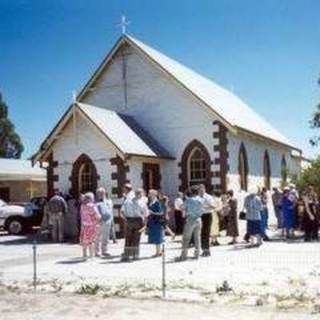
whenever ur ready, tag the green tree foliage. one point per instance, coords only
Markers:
(309, 176)
(10, 142)
(315, 123)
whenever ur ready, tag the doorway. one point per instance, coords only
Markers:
(151, 176)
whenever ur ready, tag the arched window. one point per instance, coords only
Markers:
(84, 176)
(195, 166)
(267, 171)
(284, 170)
(243, 168)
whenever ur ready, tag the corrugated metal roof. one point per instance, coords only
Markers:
(20, 169)
(223, 102)
(124, 132)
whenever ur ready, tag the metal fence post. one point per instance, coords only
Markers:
(163, 271)
(34, 249)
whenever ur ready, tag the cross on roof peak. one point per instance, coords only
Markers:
(74, 96)
(123, 24)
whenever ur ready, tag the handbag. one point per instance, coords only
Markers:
(242, 215)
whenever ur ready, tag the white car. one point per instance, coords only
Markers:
(14, 219)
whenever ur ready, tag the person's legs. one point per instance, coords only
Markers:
(84, 252)
(315, 230)
(105, 235)
(158, 250)
(307, 226)
(91, 250)
(263, 223)
(126, 252)
(267, 218)
(97, 242)
(215, 228)
(259, 240)
(205, 233)
(178, 222)
(130, 241)
(54, 229)
(113, 235)
(136, 250)
(316, 233)
(277, 212)
(197, 232)
(170, 232)
(61, 228)
(288, 233)
(187, 234)
(138, 224)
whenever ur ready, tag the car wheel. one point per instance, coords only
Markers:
(15, 226)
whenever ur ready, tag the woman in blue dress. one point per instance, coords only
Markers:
(287, 207)
(156, 221)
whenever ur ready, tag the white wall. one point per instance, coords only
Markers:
(255, 153)
(90, 141)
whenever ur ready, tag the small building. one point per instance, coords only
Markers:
(20, 181)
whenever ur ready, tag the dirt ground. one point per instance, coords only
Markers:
(74, 307)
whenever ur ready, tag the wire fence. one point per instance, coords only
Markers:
(226, 263)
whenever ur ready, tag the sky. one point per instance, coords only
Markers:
(267, 52)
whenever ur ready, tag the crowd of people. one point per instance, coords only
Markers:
(196, 215)
(293, 211)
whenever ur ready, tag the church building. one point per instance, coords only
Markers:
(146, 119)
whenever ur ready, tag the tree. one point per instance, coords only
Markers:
(309, 176)
(315, 123)
(10, 142)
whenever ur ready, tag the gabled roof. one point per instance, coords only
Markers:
(16, 169)
(123, 132)
(226, 105)
(145, 136)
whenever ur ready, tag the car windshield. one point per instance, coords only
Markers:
(2, 203)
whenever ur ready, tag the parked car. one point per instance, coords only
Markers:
(13, 218)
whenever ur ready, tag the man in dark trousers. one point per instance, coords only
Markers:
(208, 206)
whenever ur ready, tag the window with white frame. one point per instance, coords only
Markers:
(197, 167)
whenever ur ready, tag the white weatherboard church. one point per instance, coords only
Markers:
(146, 119)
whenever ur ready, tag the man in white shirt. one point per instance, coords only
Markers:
(208, 206)
(134, 212)
(178, 213)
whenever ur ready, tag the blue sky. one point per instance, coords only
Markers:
(267, 52)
